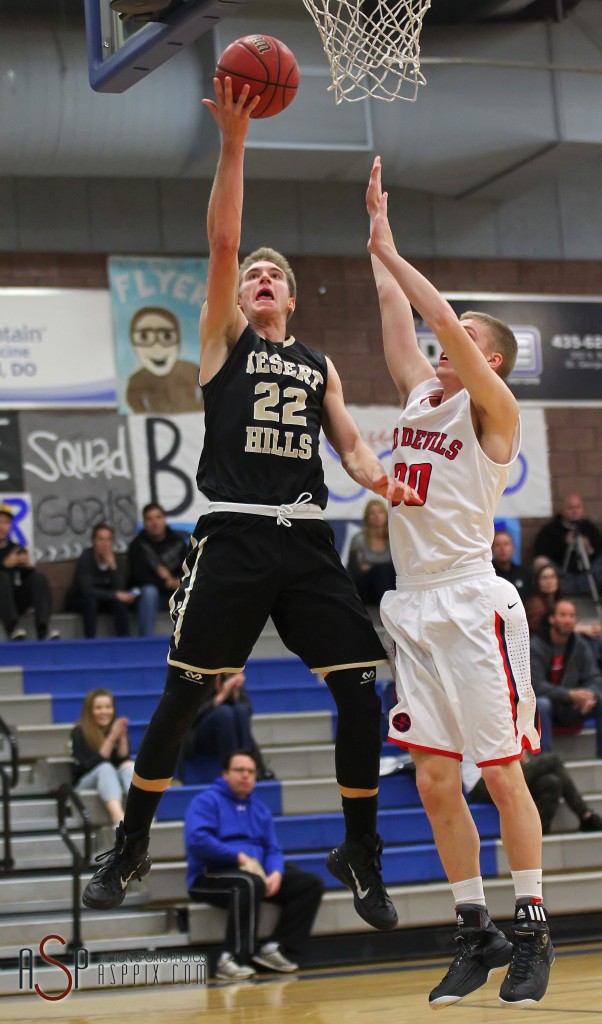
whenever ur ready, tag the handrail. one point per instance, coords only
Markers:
(66, 799)
(7, 781)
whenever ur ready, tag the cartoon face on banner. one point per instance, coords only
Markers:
(156, 308)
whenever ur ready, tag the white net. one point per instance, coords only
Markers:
(373, 46)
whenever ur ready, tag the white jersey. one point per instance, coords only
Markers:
(436, 451)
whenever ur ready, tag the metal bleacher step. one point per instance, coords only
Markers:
(11, 680)
(39, 741)
(99, 926)
(417, 906)
(33, 709)
(564, 854)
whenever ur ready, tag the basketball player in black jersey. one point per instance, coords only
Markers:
(263, 548)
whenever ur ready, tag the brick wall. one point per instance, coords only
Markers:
(338, 313)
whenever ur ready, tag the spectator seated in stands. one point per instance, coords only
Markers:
(21, 586)
(155, 558)
(548, 780)
(369, 563)
(541, 602)
(502, 553)
(565, 539)
(223, 725)
(99, 584)
(101, 752)
(543, 597)
(565, 677)
(235, 861)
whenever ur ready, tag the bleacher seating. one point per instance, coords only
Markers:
(294, 723)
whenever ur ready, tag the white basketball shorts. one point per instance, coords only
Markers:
(462, 665)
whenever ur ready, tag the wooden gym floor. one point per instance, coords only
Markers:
(391, 994)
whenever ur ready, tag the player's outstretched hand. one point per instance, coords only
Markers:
(395, 491)
(231, 116)
(380, 229)
(374, 192)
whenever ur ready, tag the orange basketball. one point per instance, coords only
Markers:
(267, 65)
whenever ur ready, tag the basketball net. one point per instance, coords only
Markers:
(372, 46)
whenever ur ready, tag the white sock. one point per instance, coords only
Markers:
(469, 891)
(528, 883)
(269, 947)
(224, 957)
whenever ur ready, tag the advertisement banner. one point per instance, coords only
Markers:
(78, 472)
(559, 344)
(56, 348)
(156, 309)
(166, 449)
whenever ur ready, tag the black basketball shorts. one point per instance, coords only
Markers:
(242, 568)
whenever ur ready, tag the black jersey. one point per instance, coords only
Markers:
(263, 412)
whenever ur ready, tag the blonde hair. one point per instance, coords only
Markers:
(502, 340)
(376, 503)
(267, 255)
(93, 734)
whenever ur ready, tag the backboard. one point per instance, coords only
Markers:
(120, 53)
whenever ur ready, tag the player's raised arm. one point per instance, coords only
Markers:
(222, 321)
(477, 369)
(407, 364)
(357, 458)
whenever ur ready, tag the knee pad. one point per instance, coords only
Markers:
(358, 739)
(174, 714)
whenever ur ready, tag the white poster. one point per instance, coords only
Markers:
(166, 449)
(56, 348)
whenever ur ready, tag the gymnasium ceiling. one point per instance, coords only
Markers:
(514, 98)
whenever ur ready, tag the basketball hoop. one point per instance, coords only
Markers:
(372, 46)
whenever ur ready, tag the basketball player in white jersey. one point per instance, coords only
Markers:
(461, 637)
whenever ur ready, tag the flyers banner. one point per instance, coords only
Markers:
(56, 348)
(156, 309)
(559, 344)
(77, 470)
(166, 449)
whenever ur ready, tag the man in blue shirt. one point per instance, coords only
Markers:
(235, 861)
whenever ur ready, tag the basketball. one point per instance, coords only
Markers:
(267, 65)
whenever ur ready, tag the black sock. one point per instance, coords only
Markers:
(140, 808)
(360, 816)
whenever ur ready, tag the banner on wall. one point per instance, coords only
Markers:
(78, 472)
(56, 348)
(559, 344)
(156, 309)
(166, 449)
(11, 476)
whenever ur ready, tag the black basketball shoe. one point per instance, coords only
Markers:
(529, 972)
(357, 865)
(482, 949)
(128, 859)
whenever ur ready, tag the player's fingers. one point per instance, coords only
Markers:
(212, 107)
(243, 96)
